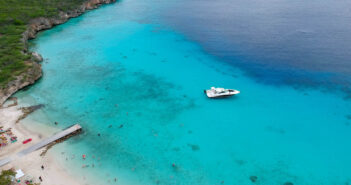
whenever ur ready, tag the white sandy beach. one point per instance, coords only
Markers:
(53, 173)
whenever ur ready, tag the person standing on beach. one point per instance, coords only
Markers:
(42, 167)
(41, 180)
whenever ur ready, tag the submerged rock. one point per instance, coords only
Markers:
(288, 183)
(253, 178)
(240, 162)
(176, 149)
(28, 110)
(194, 147)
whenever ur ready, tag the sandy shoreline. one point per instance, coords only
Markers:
(53, 173)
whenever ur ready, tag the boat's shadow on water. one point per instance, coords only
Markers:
(232, 97)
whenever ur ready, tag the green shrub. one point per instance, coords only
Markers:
(6, 176)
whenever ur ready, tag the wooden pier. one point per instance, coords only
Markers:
(70, 130)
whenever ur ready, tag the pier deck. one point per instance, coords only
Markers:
(41, 144)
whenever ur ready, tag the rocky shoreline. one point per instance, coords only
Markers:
(34, 72)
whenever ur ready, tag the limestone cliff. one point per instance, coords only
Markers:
(38, 24)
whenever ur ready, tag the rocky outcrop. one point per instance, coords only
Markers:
(43, 23)
(26, 78)
(38, 24)
(36, 57)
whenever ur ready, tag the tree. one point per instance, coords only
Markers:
(6, 176)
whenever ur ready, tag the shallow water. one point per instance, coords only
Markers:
(125, 74)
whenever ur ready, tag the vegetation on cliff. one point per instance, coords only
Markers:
(14, 18)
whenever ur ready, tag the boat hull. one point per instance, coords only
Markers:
(211, 95)
(219, 97)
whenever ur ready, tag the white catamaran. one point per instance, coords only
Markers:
(220, 92)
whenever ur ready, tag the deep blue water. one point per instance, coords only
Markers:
(300, 43)
(134, 72)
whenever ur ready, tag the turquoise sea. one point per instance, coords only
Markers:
(133, 74)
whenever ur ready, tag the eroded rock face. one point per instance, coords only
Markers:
(28, 77)
(37, 57)
(43, 23)
(38, 24)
